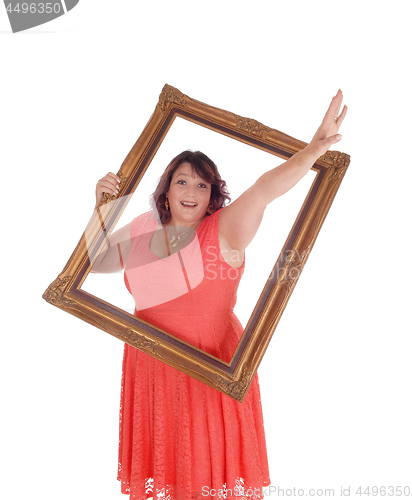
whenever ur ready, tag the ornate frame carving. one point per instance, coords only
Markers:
(232, 378)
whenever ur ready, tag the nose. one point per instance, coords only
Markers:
(191, 190)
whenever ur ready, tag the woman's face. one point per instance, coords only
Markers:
(188, 195)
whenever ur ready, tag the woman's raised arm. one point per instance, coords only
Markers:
(239, 222)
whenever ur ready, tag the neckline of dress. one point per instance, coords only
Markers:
(188, 245)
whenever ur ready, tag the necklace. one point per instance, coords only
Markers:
(176, 238)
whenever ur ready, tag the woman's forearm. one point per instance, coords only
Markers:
(115, 252)
(98, 261)
(279, 180)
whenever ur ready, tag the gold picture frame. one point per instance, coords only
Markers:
(231, 378)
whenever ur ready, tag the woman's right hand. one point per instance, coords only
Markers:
(107, 184)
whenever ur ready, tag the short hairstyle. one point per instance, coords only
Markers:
(205, 168)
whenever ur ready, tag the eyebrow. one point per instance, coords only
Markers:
(187, 175)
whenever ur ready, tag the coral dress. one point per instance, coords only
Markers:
(179, 438)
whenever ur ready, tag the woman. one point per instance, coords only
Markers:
(180, 439)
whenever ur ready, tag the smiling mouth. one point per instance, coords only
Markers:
(188, 203)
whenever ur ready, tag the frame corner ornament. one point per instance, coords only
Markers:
(171, 95)
(337, 162)
(236, 389)
(55, 293)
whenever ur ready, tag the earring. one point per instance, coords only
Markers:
(209, 209)
(167, 204)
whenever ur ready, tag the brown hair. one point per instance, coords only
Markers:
(205, 168)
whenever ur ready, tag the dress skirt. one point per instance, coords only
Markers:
(179, 438)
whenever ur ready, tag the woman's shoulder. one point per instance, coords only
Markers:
(145, 217)
(212, 219)
(209, 227)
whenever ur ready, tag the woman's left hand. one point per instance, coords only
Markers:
(327, 133)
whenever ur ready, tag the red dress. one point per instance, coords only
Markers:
(179, 438)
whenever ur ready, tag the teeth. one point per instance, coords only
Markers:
(190, 204)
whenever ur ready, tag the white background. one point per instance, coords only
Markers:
(75, 95)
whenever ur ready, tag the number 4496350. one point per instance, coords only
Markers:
(33, 8)
(383, 491)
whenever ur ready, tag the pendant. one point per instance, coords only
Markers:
(174, 241)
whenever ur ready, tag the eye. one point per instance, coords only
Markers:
(203, 186)
(180, 181)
